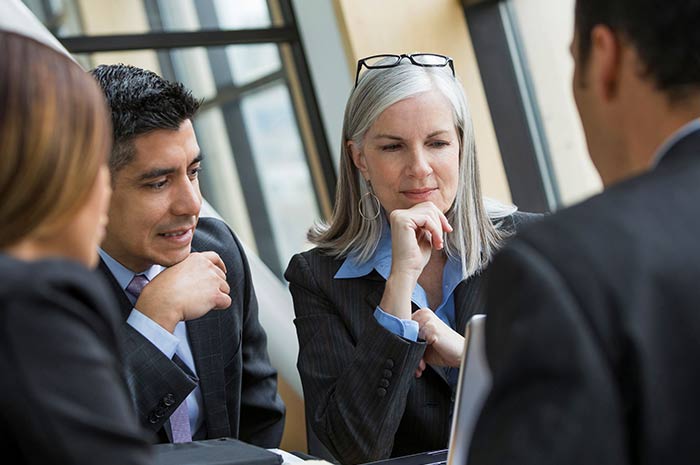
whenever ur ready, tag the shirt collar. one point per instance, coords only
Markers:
(122, 274)
(673, 139)
(380, 260)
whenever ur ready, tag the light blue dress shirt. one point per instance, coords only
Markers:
(169, 344)
(408, 329)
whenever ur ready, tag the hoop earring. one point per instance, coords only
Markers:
(374, 198)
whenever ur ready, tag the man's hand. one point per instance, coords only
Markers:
(186, 291)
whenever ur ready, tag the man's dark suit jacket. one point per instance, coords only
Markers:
(362, 398)
(63, 396)
(593, 334)
(238, 384)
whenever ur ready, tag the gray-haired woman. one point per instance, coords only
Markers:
(382, 300)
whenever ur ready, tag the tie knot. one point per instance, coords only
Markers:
(136, 285)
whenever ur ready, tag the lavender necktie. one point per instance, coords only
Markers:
(180, 418)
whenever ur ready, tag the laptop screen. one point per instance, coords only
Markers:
(472, 389)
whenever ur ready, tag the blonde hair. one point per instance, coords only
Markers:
(55, 135)
(477, 229)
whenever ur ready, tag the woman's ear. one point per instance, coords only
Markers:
(358, 158)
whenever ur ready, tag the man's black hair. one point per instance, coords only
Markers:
(665, 33)
(141, 101)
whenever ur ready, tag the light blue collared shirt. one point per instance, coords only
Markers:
(381, 262)
(684, 131)
(169, 344)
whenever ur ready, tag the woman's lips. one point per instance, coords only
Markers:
(419, 194)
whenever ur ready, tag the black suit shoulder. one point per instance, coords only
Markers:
(62, 392)
(590, 309)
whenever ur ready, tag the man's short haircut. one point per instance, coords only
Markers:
(666, 35)
(140, 101)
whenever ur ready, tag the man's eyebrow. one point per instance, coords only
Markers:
(158, 172)
(197, 159)
(155, 173)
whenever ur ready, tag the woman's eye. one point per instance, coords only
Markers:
(390, 147)
(439, 144)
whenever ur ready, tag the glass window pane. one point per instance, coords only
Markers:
(85, 17)
(255, 172)
(281, 166)
(546, 29)
(240, 14)
(251, 62)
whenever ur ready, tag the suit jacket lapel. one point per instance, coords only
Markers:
(205, 340)
(468, 302)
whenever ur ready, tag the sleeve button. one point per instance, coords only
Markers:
(389, 363)
(387, 374)
(384, 383)
(381, 392)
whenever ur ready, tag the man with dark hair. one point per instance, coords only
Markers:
(593, 332)
(196, 355)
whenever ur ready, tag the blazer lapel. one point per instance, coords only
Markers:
(468, 302)
(205, 343)
(467, 299)
(376, 284)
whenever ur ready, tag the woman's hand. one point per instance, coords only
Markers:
(415, 233)
(445, 346)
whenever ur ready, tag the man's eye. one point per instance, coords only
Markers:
(157, 185)
(194, 172)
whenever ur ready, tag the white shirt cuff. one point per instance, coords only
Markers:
(155, 333)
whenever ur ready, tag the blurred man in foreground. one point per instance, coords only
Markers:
(595, 347)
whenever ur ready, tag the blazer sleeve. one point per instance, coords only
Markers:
(554, 397)
(70, 402)
(156, 383)
(262, 409)
(355, 390)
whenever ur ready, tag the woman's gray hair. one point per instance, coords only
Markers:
(477, 230)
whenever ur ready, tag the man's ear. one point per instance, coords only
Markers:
(605, 61)
(358, 158)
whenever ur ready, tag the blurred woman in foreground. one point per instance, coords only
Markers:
(62, 394)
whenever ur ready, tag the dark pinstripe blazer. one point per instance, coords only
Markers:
(239, 387)
(362, 398)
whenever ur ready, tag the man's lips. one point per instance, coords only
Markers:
(176, 233)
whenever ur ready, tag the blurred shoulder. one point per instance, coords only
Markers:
(514, 222)
(56, 285)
